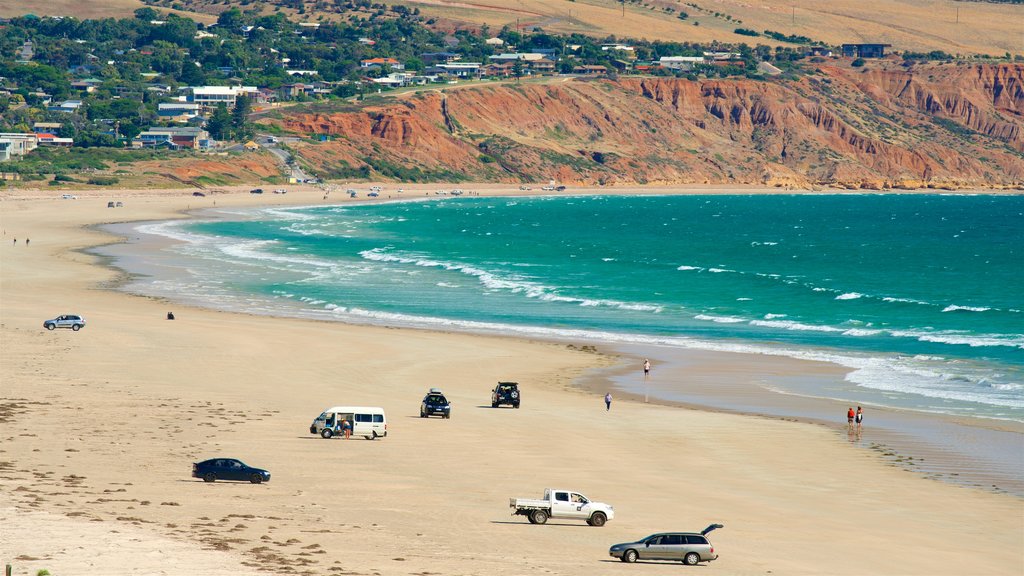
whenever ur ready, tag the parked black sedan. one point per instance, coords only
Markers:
(228, 469)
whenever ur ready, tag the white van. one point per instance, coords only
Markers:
(368, 422)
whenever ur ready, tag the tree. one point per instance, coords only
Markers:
(240, 127)
(219, 123)
(146, 14)
(517, 69)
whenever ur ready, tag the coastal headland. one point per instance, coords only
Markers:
(100, 427)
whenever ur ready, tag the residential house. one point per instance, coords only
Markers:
(54, 140)
(819, 51)
(513, 56)
(684, 63)
(865, 50)
(621, 50)
(722, 56)
(371, 63)
(178, 111)
(542, 66)
(367, 41)
(212, 96)
(431, 58)
(302, 72)
(456, 69)
(309, 89)
(503, 70)
(494, 42)
(16, 144)
(589, 70)
(88, 85)
(183, 137)
(67, 106)
(47, 127)
(26, 52)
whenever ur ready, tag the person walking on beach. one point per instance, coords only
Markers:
(849, 417)
(607, 401)
(859, 417)
(647, 368)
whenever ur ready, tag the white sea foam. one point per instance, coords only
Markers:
(955, 308)
(861, 332)
(904, 300)
(689, 268)
(719, 270)
(792, 325)
(774, 316)
(511, 283)
(719, 319)
(849, 296)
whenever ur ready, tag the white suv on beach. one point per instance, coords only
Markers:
(73, 321)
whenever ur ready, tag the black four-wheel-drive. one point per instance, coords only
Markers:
(434, 403)
(505, 393)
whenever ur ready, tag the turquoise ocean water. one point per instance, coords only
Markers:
(921, 296)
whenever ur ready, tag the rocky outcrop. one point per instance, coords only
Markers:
(944, 126)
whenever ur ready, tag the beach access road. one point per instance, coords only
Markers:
(109, 446)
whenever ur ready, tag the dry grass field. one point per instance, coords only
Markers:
(917, 25)
(82, 9)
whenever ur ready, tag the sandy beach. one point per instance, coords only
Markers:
(100, 428)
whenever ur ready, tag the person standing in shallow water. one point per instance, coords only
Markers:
(647, 367)
(859, 417)
(607, 401)
(849, 417)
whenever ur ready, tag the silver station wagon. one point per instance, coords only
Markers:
(689, 548)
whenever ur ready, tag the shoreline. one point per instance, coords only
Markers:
(189, 376)
(903, 438)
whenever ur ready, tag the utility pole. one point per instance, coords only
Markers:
(623, 8)
(794, 15)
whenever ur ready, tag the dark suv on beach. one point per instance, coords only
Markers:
(505, 393)
(435, 403)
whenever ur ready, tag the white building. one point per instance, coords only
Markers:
(680, 62)
(214, 95)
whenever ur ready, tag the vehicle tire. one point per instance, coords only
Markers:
(76, 327)
(327, 433)
(517, 406)
(691, 559)
(423, 414)
(256, 479)
(630, 556)
(493, 404)
(209, 477)
(447, 416)
(530, 518)
(597, 519)
(539, 516)
(50, 326)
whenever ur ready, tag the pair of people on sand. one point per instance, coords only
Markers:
(854, 418)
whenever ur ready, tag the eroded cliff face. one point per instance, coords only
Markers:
(941, 126)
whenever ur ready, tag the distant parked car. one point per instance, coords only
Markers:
(68, 197)
(689, 548)
(73, 321)
(280, 191)
(228, 469)
(256, 191)
(505, 393)
(198, 194)
(110, 204)
(435, 403)
(373, 194)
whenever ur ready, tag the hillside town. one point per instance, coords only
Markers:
(166, 82)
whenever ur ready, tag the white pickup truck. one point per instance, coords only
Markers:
(562, 504)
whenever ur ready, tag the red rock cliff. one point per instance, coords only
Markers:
(943, 126)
